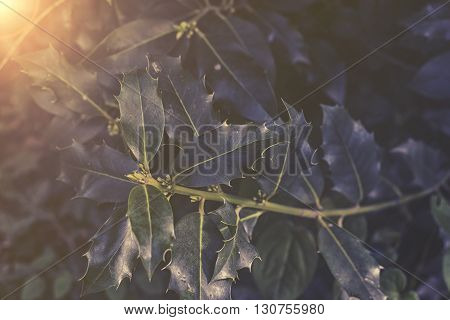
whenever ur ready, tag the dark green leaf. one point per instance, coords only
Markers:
(112, 256)
(288, 260)
(292, 169)
(288, 6)
(240, 82)
(446, 268)
(220, 155)
(98, 173)
(126, 47)
(423, 162)
(61, 88)
(327, 65)
(185, 98)
(34, 290)
(351, 153)
(286, 39)
(141, 115)
(193, 258)
(440, 209)
(62, 284)
(438, 29)
(237, 252)
(353, 267)
(151, 220)
(433, 78)
(357, 225)
(393, 283)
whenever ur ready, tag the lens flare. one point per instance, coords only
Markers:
(11, 22)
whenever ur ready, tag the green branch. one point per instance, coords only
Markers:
(263, 206)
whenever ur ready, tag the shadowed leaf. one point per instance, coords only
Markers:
(112, 256)
(351, 153)
(219, 156)
(98, 173)
(185, 98)
(288, 260)
(423, 162)
(61, 88)
(238, 70)
(291, 169)
(440, 208)
(446, 268)
(126, 47)
(433, 78)
(353, 267)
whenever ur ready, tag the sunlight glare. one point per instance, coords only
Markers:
(11, 22)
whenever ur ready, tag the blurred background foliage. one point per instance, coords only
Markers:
(39, 223)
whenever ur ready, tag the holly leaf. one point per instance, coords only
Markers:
(126, 47)
(151, 220)
(98, 173)
(219, 156)
(112, 256)
(61, 88)
(237, 252)
(287, 41)
(33, 290)
(426, 165)
(185, 98)
(327, 64)
(193, 258)
(62, 284)
(446, 268)
(433, 78)
(353, 267)
(351, 153)
(288, 6)
(440, 208)
(438, 29)
(239, 81)
(289, 165)
(393, 283)
(141, 115)
(288, 260)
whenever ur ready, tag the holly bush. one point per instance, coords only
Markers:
(234, 149)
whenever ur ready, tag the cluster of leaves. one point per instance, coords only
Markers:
(223, 68)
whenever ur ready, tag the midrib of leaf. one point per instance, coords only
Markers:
(281, 175)
(83, 96)
(352, 163)
(233, 242)
(140, 43)
(284, 264)
(227, 67)
(211, 159)
(144, 140)
(147, 204)
(233, 30)
(344, 252)
(99, 173)
(183, 105)
(391, 185)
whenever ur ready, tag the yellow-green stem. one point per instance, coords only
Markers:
(293, 211)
